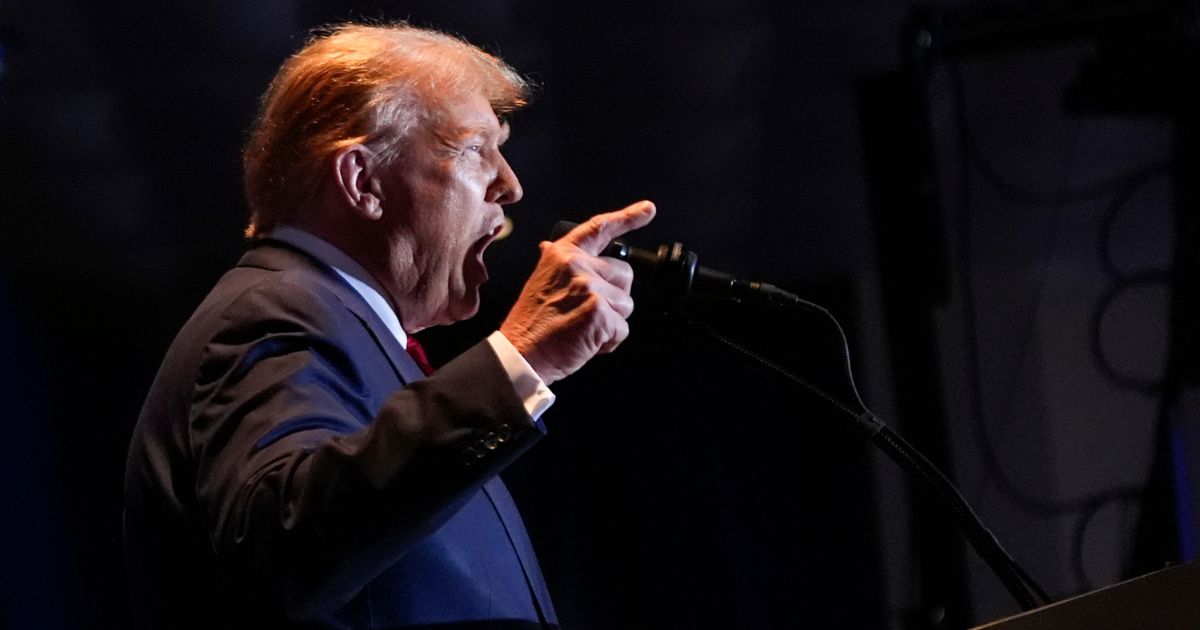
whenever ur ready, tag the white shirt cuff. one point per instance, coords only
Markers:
(529, 385)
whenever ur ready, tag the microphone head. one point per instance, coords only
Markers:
(669, 269)
(673, 272)
(561, 228)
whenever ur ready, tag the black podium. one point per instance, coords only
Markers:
(1164, 600)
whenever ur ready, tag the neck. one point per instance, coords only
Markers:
(389, 261)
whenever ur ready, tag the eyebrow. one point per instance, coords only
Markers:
(502, 132)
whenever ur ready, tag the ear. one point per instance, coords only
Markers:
(356, 180)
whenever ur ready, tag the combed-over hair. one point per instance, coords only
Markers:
(358, 84)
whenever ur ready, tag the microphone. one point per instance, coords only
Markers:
(673, 271)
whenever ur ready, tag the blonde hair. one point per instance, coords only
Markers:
(358, 84)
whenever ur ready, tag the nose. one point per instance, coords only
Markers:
(505, 188)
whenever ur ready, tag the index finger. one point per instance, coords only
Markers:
(593, 235)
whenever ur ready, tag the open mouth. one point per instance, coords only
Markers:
(479, 247)
(486, 239)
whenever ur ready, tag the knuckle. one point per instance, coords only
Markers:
(626, 306)
(574, 258)
(552, 253)
(593, 309)
(593, 225)
(580, 284)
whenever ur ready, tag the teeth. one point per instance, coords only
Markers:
(505, 230)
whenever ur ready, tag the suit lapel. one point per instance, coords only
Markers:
(279, 256)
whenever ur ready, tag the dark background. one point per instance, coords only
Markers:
(997, 218)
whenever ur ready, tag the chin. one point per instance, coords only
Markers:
(465, 307)
(468, 312)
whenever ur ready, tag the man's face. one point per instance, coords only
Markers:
(454, 182)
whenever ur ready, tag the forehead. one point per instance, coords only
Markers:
(465, 114)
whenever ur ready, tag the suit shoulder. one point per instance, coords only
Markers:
(245, 296)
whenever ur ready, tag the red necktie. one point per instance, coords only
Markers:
(418, 354)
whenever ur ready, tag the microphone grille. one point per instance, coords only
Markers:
(561, 228)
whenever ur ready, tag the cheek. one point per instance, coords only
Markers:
(462, 212)
(435, 212)
(447, 208)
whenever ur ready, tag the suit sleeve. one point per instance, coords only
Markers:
(301, 479)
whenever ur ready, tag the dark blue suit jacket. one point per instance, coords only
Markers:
(292, 467)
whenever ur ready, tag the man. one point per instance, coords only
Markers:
(291, 465)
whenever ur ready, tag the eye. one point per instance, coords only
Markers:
(475, 147)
